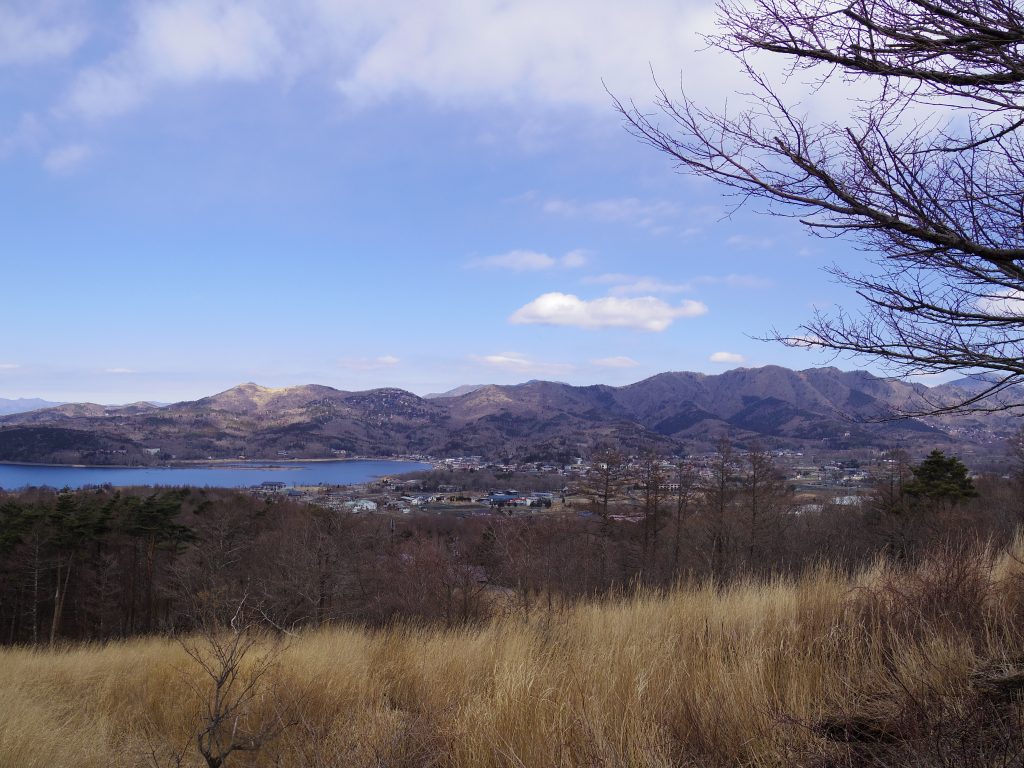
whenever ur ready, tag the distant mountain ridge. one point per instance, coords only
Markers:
(23, 405)
(540, 420)
(465, 389)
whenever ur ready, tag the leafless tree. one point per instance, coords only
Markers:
(1016, 452)
(719, 490)
(603, 486)
(653, 492)
(236, 662)
(686, 490)
(766, 505)
(926, 173)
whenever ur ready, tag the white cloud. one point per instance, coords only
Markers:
(519, 363)
(67, 159)
(9, 366)
(530, 261)
(645, 313)
(574, 259)
(369, 363)
(530, 51)
(615, 362)
(106, 92)
(1007, 303)
(120, 370)
(180, 42)
(804, 341)
(727, 357)
(648, 285)
(467, 55)
(542, 58)
(508, 360)
(750, 242)
(647, 214)
(25, 134)
(632, 285)
(518, 261)
(609, 278)
(193, 40)
(32, 37)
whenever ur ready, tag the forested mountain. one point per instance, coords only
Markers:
(538, 419)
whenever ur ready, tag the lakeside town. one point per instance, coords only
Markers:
(472, 486)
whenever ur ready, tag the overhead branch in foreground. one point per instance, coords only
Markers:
(925, 173)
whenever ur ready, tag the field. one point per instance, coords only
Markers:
(891, 666)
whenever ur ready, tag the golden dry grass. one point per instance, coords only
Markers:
(700, 676)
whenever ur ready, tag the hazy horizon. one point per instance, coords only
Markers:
(929, 380)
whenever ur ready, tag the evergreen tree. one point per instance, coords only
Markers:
(941, 478)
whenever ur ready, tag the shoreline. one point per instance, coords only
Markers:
(214, 463)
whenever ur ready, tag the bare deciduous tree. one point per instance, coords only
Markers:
(236, 662)
(926, 173)
(1016, 452)
(766, 504)
(603, 486)
(719, 490)
(653, 492)
(686, 490)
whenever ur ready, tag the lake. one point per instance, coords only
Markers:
(233, 475)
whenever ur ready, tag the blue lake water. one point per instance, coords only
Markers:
(236, 475)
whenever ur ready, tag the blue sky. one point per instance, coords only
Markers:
(197, 193)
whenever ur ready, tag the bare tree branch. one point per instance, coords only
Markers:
(938, 200)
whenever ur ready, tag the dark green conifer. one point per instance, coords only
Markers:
(941, 478)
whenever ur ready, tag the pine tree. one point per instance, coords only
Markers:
(941, 479)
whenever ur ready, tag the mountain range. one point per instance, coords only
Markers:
(538, 420)
(23, 404)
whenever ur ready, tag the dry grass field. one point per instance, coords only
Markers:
(914, 666)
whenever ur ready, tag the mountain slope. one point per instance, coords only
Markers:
(539, 419)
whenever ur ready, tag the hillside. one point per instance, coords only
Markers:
(539, 420)
(824, 670)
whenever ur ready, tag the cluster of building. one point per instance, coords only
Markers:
(812, 479)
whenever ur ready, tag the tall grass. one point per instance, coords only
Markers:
(894, 666)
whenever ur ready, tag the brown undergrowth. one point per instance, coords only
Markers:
(900, 665)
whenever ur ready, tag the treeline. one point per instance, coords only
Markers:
(106, 563)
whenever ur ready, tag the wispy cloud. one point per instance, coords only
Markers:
(615, 362)
(645, 313)
(530, 261)
(68, 159)
(31, 37)
(727, 357)
(575, 259)
(632, 285)
(9, 366)
(520, 363)
(120, 370)
(25, 134)
(1008, 303)
(176, 43)
(651, 215)
(527, 53)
